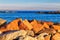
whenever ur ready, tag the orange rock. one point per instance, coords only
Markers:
(50, 23)
(46, 25)
(47, 37)
(22, 26)
(13, 25)
(36, 26)
(56, 27)
(27, 24)
(3, 29)
(56, 36)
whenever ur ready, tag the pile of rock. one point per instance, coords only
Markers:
(22, 35)
(29, 30)
(28, 35)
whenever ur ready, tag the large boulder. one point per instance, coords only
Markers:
(13, 35)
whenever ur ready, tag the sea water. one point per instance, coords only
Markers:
(30, 16)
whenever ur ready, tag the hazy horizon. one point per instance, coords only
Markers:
(29, 4)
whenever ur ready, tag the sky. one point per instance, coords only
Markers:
(30, 4)
(28, 1)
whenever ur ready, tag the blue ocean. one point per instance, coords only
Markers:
(30, 16)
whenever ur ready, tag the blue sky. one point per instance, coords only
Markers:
(29, 4)
(27, 1)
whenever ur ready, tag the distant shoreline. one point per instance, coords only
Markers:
(39, 12)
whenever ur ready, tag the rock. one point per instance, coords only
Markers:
(0, 32)
(2, 21)
(56, 27)
(13, 25)
(30, 33)
(29, 38)
(28, 25)
(56, 36)
(49, 31)
(49, 23)
(22, 26)
(36, 26)
(13, 35)
(21, 38)
(58, 31)
(46, 25)
(48, 37)
(25, 25)
(2, 29)
(41, 36)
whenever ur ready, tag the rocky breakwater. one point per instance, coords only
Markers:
(20, 29)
